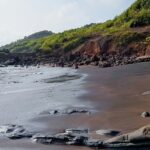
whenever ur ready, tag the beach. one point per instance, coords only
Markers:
(116, 96)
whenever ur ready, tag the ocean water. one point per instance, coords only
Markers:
(24, 94)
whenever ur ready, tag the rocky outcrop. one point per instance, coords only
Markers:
(137, 138)
(81, 137)
(69, 137)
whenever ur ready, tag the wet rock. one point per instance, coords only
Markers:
(9, 62)
(68, 111)
(137, 138)
(62, 78)
(94, 143)
(11, 128)
(19, 135)
(69, 137)
(145, 114)
(107, 132)
(43, 139)
(15, 132)
(75, 110)
(78, 140)
(77, 131)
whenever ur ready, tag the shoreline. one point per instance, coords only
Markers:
(117, 111)
(116, 94)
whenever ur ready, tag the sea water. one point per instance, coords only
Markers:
(24, 94)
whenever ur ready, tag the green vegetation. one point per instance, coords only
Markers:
(121, 27)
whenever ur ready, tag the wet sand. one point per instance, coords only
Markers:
(116, 95)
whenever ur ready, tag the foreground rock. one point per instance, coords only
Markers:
(81, 137)
(69, 137)
(15, 132)
(138, 138)
(68, 111)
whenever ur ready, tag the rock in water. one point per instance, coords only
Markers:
(15, 132)
(137, 138)
(68, 111)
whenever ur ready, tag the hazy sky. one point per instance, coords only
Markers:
(19, 18)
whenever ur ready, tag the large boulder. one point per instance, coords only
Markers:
(137, 138)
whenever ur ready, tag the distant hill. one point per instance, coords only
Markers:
(38, 35)
(25, 45)
(127, 34)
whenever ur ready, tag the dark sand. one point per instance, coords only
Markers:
(116, 94)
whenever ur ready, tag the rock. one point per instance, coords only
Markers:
(94, 143)
(9, 62)
(43, 139)
(11, 128)
(63, 78)
(69, 137)
(104, 64)
(72, 136)
(76, 110)
(137, 138)
(78, 140)
(2, 65)
(145, 114)
(15, 132)
(77, 131)
(68, 111)
(107, 132)
(18, 135)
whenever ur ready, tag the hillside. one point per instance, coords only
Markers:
(125, 35)
(38, 35)
(24, 45)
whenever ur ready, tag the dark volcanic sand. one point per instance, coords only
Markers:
(116, 93)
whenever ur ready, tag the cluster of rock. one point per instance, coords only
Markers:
(106, 60)
(81, 137)
(69, 137)
(101, 60)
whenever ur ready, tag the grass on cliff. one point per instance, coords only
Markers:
(137, 15)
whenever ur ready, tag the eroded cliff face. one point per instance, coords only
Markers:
(115, 49)
(110, 45)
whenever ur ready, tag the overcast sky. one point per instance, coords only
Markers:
(19, 18)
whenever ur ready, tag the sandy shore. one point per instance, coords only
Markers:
(117, 96)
